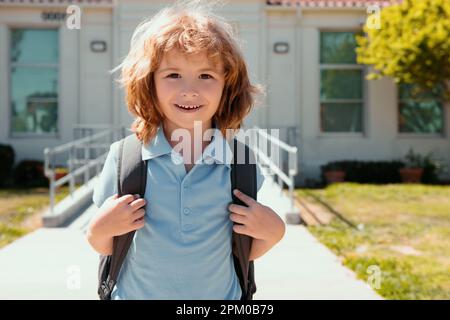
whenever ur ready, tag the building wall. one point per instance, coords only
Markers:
(96, 79)
(88, 94)
(84, 83)
(295, 94)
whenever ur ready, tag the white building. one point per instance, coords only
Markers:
(53, 77)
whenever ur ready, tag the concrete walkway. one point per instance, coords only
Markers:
(59, 264)
(299, 266)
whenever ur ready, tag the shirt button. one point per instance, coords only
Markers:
(187, 227)
(186, 210)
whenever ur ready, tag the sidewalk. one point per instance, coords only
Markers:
(50, 263)
(299, 266)
(59, 264)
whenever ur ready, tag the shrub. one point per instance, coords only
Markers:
(367, 171)
(432, 168)
(30, 173)
(7, 156)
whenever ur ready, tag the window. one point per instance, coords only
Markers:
(34, 81)
(419, 112)
(341, 83)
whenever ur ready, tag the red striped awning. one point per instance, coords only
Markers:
(328, 3)
(108, 3)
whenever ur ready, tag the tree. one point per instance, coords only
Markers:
(412, 46)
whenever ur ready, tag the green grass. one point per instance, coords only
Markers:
(416, 217)
(20, 211)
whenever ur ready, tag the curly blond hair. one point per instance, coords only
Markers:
(191, 28)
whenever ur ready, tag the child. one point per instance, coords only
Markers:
(184, 68)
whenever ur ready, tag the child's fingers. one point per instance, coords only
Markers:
(138, 224)
(245, 198)
(241, 229)
(138, 214)
(238, 218)
(235, 208)
(126, 198)
(136, 204)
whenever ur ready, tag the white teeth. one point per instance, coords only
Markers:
(188, 107)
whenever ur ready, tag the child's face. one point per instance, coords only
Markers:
(189, 81)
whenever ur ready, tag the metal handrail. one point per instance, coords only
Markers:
(274, 168)
(93, 141)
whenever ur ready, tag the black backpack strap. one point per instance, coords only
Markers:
(243, 177)
(131, 179)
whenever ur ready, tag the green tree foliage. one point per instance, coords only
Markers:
(412, 45)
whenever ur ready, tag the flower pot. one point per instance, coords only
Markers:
(59, 175)
(411, 175)
(60, 172)
(335, 176)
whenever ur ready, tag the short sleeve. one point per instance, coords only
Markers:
(106, 185)
(259, 177)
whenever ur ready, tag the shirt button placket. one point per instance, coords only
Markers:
(186, 226)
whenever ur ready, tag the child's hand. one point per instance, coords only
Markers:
(257, 221)
(119, 216)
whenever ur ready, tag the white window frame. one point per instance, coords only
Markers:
(363, 100)
(33, 65)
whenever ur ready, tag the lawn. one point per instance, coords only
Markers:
(21, 211)
(404, 230)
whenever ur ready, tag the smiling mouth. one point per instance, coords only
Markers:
(188, 107)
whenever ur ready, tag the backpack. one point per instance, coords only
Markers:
(132, 177)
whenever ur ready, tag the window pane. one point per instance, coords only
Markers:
(341, 117)
(410, 91)
(420, 112)
(421, 117)
(337, 47)
(34, 45)
(34, 99)
(340, 84)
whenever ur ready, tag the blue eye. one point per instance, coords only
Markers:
(204, 74)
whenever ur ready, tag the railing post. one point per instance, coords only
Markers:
(291, 192)
(52, 193)
(97, 163)
(72, 180)
(51, 175)
(278, 165)
(86, 161)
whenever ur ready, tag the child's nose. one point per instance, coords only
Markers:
(187, 94)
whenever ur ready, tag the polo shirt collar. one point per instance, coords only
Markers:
(218, 149)
(157, 146)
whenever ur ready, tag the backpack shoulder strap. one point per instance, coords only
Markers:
(131, 179)
(243, 177)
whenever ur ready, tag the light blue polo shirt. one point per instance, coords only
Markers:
(184, 249)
